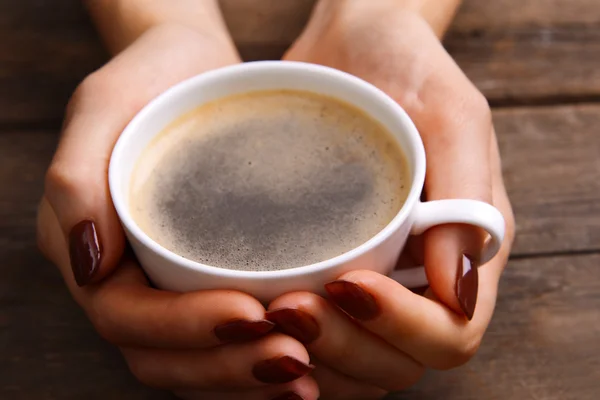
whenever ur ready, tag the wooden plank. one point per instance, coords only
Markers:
(515, 52)
(534, 51)
(271, 22)
(537, 51)
(551, 165)
(46, 48)
(503, 14)
(530, 64)
(48, 349)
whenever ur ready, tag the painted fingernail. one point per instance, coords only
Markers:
(353, 299)
(467, 283)
(288, 396)
(240, 330)
(85, 251)
(280, 370)
(296, 323)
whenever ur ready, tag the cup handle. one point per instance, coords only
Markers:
(456, 211)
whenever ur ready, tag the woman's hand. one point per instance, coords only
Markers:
(197, 344)
(393, 334)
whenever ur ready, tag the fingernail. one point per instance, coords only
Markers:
(467, 283)
(296, 323)
(280, 370)
(85, 251)
(240, 330)
(288, 396)
(353, 299)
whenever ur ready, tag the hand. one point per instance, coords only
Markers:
(195, 343)
(393, 334)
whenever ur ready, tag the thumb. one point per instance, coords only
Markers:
(452, 252)
(451, 264)
(455, 123)
(76, 187)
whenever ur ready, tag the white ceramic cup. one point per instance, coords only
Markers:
(170, 271)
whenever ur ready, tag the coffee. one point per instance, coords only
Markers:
(268, 180)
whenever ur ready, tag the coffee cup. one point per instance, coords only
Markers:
(171, 271)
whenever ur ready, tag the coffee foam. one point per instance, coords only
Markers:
(268, 180)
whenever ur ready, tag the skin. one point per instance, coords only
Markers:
(393, 45)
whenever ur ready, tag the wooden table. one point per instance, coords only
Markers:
(537, 61)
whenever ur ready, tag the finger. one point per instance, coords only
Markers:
(335, 386)
(76, 182)
(490, 276)
(304, 388)
(337, 341)
(425, 329)
(127, 312)
(275, 359)
(455, 124)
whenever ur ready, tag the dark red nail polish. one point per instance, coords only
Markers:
(280, 370)
(467, 284)
(240, 330)
(288, 396)
(296, 323)
(353, 299)
(85, 251)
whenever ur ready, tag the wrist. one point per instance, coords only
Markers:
(121, 22)
(437, 13)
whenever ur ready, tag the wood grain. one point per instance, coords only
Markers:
(530, 64)
(534, 52)
(551, 166)
(46, 48)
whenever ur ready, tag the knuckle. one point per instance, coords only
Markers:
(100, 316)
(473, 104)
(104, 327)
(61, 178)
(478, 104)
(91, 87)
(468, 349)
(468, 110)
(460, 354)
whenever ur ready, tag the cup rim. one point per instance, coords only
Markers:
(192, 84)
